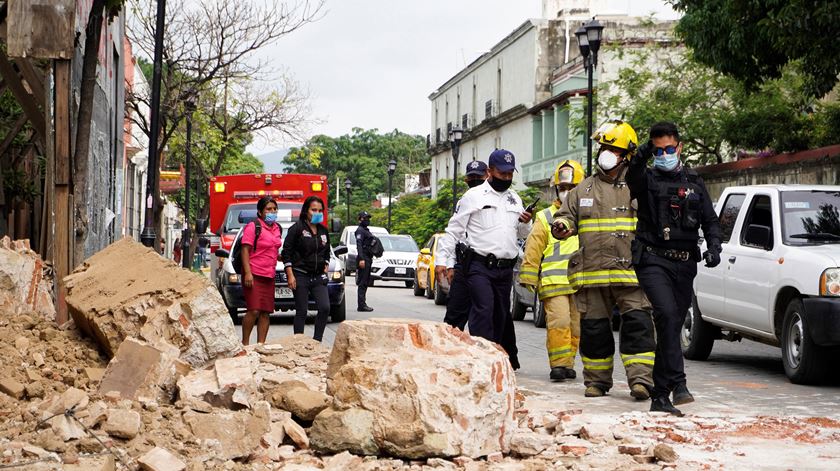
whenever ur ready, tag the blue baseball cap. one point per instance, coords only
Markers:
(476, 167)
(503, 160)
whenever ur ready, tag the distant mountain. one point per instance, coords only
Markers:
(273, 161)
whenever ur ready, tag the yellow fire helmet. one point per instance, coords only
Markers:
(569, 171)
(617, 133)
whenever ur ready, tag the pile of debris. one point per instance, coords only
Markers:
(137, 382)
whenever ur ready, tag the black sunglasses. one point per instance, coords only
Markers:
(658, 151)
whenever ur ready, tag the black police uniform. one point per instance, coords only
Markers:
(672, 207)
(363, 237)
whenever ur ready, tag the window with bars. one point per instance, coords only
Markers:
(465, 121)
(488, 109)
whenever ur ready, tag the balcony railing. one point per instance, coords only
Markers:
(543, 169)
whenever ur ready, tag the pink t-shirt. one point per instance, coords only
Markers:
(264, 259)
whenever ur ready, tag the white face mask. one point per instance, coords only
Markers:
(562, 196)
(607, 160)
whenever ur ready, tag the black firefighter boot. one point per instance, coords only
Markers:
(560, 373)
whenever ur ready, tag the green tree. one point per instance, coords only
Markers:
(363, 157)
(753, 41)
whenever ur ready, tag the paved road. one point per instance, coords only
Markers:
(742, 377)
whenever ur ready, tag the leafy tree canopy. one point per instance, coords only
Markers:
(752, 41)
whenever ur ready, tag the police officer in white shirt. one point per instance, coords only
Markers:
(495, 219)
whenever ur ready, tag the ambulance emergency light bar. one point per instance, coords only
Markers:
(261, 193)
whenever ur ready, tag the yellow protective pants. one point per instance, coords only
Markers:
(562, 330)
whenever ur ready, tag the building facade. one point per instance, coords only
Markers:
(528, 94)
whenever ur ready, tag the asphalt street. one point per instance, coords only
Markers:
(739, 377)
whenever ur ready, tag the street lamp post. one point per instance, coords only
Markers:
(589, 42)
(186, 259)
(455, 136)
(347, 185)
(392, 167)
(148, 236)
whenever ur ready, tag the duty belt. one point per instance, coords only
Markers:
(670, 254)
(491, 261)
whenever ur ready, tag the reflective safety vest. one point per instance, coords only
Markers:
(554, 279)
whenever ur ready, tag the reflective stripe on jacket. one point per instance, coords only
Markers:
(599, 210)
(546, 260)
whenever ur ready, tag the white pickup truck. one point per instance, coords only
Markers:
(778, 281)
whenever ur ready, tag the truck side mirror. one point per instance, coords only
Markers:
(222, 253)
(201, 225)
(340, 250)
(759, 236)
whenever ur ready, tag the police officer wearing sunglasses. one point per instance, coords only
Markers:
(673, 206)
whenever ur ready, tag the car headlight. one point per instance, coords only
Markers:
(233, 278)
(830, 282)
(335, 275)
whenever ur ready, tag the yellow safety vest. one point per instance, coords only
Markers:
(554, 276)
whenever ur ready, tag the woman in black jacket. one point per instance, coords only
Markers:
(306, 256)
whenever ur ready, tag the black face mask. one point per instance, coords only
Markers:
(474, 182)
(364, 222)
(500, 185)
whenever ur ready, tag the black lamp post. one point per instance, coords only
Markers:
(347, 185)
(589, 42)
(455, 136)
(148, 235)
(392, 167)
(186, 259)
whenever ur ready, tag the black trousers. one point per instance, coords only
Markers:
(458, 305)
(363, 281)
(668, 286)
(316, 285)
(489, 315)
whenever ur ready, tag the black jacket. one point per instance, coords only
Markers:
(304, 251)
(644, 182)
(363, 236)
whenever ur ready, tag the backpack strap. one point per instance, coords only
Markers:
(257, 230)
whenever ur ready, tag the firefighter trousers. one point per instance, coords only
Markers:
(562, 336)
(637, 343)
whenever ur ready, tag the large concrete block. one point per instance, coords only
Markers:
(140, 369)
(415, 389)
(26, 283)
(128, 290)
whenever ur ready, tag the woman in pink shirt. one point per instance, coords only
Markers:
(259, 259)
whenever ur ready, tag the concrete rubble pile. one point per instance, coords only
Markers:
(392, 395)
(25, 280)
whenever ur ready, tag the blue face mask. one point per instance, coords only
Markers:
(270, 218)
(317, 218)
(666, 162)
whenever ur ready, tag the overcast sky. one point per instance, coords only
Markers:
(373, 63)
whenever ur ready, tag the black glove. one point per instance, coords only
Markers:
(712, 256)
(645, 151)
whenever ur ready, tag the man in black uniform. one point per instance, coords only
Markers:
(364, 260)
(458, 305)
(673, 205)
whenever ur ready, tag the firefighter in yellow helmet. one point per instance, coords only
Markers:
(544, 269)
(600, 212)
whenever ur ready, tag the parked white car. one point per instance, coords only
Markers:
(348, 238)
(779, 278)
(397, 261)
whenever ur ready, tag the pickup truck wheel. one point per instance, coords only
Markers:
(440, 296)
(429, 293)
(805, 362)
(409, 284)
(539, 315)
(338, 312)
(517, 309)
(697, 336)
(418, 290)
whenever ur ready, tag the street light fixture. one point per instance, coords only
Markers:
(186, 258)
(589, 37)
(347, 185)
(392, 167)
(455, 136)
